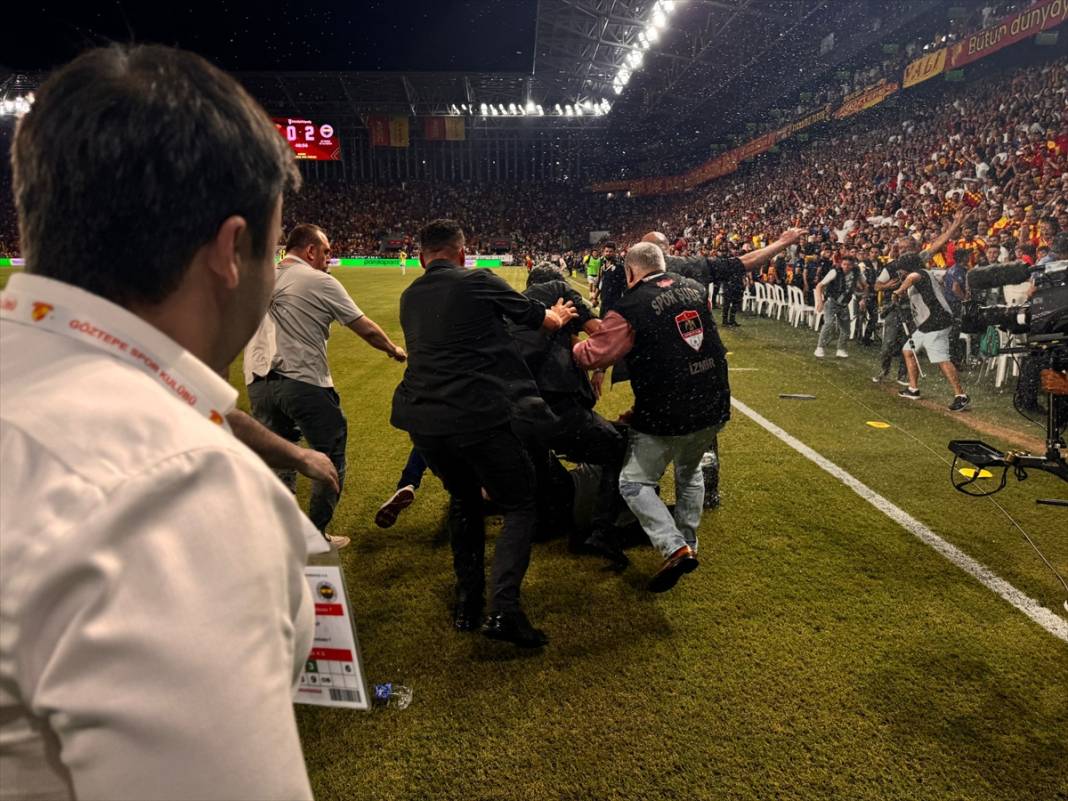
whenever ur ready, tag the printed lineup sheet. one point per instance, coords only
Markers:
(333, 671)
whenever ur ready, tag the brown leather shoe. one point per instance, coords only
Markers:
(684, 560)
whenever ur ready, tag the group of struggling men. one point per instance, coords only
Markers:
(497, 387)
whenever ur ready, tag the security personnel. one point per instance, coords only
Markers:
(456, 404)
(579, 434)
(663, 328)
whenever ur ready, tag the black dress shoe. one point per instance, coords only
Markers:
(467, 613)
(607, 545)
(514, 627)
(683, 561)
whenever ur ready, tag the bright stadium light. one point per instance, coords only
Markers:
(635, 58)
(667, 5)
(483, 109)
(578, 110)
(568, 111)
(651, 33)
(624, 76)
(541, 111)
(558, 109)
(493, 111)
(659, 20)
(502, 108)
(617, 87)
(511, 108)
(531, 107)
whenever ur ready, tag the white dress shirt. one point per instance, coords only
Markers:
(154, 612)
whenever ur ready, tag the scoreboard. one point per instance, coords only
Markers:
(316, 142)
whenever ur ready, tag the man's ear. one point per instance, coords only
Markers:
(227, 250)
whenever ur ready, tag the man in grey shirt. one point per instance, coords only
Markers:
(286, 369)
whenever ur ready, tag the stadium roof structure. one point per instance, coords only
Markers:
(715, 66)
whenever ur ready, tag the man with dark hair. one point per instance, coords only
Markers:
(612, 282)
(578, 434)
(289, 383)
(456, 401)
(934, 320)
(141, 540)
(663, 327)
(834, 294)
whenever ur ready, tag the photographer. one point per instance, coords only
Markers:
(934, 321)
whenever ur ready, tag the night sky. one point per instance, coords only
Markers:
(472, 35)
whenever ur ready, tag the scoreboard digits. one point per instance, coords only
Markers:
(308, 140)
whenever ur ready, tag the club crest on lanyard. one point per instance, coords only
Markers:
(690, 328)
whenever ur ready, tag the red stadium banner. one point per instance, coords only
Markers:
(1006, 31)
(923, 68)
(378, 125)
(434, 129)
(315, 142)
(865, 99)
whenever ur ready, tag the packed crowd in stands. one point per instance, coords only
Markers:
(1001, 145)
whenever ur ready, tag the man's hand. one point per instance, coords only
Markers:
(562, 312)
(819, 307)
(318, 467)
(597, 382)
(399, 354)
(792, 236)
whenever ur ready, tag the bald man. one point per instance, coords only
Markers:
(728, 273)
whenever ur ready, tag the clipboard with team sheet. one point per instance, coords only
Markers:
(333, 672)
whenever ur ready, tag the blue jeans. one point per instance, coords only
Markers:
(647, 459)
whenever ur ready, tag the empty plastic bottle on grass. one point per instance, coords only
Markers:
(394, 695)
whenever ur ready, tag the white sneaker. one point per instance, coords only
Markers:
(841, 354)
(338, 542)
(819, 353)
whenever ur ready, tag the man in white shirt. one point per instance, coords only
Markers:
(286, 369)
(154, 611)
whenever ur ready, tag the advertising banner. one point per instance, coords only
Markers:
(1006, 31)
(925, 67)
(865, 99)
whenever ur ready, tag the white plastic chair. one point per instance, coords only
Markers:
(778, 300)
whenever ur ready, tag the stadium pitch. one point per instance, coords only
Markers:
(821, 651)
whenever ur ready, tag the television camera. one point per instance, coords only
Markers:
(1040, 327)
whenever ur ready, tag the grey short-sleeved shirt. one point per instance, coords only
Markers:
(304, 304)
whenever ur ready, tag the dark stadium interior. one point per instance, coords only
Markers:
(498, 200)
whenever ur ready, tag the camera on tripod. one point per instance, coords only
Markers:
(1041, 326)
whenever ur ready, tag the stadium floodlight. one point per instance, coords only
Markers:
(568, 111)
(617, 88)
(558, 109)
(624, 76)
(606, 105)
(635, 58)
(588, 105)
(667, 5)
(652, 34)
(659, 20)
(541, 111)
(502, 108)
(511, 108)
(578, 110)
(483, 109)
(493, 111)
(531, 107)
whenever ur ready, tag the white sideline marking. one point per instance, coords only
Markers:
(1051, 622)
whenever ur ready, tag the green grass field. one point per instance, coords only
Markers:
(820, 652)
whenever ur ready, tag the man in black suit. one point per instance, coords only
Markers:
(456, 401)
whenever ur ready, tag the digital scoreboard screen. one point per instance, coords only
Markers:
(316, 142)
